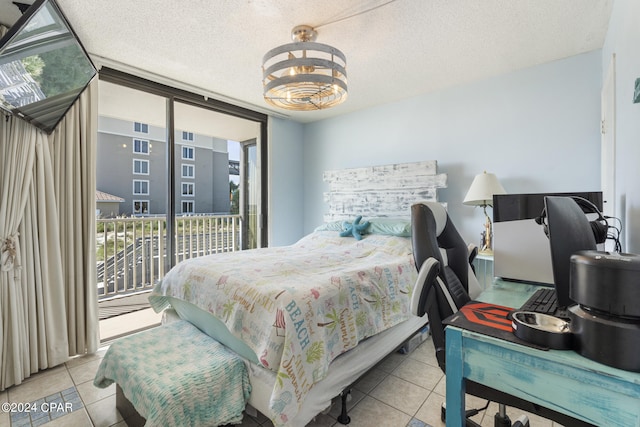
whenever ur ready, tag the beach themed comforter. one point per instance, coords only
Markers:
(300, 306)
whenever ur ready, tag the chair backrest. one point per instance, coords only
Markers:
(444, 277)
(446, 289)
(569, 231)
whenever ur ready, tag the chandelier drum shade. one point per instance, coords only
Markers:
(304, 75)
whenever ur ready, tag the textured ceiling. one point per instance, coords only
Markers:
(396, 50)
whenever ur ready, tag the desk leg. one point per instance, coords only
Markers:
(455, 380)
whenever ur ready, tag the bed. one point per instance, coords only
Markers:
(309, 319)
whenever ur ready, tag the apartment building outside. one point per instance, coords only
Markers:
(132, 165)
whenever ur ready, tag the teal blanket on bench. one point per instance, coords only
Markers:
(175, 375)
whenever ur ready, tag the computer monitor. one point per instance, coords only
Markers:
(514, 207)
(520, 247)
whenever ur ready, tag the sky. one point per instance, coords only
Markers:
(234, 150)
(234, 154)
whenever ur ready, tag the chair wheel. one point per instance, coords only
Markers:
(522, 421)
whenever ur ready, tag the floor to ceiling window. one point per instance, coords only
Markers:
(179, 176)
(131, 188)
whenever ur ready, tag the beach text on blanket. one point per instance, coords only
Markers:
(298, 321)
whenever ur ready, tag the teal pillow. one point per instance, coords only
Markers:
(388, 226)
(330, 226)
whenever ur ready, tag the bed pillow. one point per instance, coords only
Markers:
(389, 226)
(330, 226)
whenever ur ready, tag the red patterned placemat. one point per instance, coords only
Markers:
(487, 319)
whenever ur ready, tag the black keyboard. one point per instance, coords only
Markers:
(544, 300)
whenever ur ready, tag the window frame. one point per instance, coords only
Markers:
(143, 128)
(192, 203)
(189, 136)
(193, 189)
(142, 182)
(173, 95)
(141, 141)
(188, 166)
(142, 201)
(189, 148)
(141, 162)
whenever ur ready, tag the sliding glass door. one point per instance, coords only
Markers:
(131, 190)
(195, 171)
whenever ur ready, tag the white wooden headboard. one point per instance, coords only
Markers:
(381, 191)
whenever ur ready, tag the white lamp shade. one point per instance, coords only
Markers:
(482, 189)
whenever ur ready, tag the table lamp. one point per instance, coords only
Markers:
(481, 192)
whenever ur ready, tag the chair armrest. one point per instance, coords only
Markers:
(473, 252)
(426, 278)
(474, 286)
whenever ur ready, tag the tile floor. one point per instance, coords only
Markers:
(404, 390)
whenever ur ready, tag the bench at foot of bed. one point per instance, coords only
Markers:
(174, 375)
(129, 413)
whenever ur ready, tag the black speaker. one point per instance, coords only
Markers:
(599, 226)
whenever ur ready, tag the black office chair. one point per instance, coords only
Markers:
(443, 285)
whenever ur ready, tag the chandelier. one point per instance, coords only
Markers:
(304, 75)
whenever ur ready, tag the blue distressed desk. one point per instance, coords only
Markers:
(560, 380)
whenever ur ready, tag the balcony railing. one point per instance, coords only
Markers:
(131, 252)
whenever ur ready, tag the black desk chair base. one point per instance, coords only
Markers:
(500, 419)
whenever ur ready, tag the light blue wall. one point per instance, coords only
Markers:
(623, 39)
(537, 129)
(285, 181)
